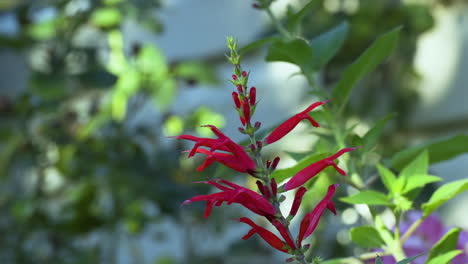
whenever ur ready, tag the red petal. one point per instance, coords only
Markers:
(268, 236)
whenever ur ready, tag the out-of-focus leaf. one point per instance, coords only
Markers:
(44, 30)
(439, 150)
(445, 258)
(257, 44)
(372, 136)
(367, 62)
(443, 194)
(326, 45)
(119, 105)
(106, 17)
(378, 261)
(446, 244)
(295, 19)
(165, 94)
(366, 237)
(367, 197)
(295, 51)
(197, 71)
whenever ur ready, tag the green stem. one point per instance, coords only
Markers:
(411, 229)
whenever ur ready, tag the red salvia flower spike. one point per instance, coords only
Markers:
(292, 122)
(297, 200)
(284, 233)
(205, 142)
(252, 95)
(310, 171)
(274, 187)
(235, 97)
(266, 235)
(226, 159)
(311, 220)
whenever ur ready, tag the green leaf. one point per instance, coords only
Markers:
(283, 174)
(372, 136)
(198, 71)
(408, 260)
(257, 44)
(419, 165)
(326, 45)
(388, 178)
(366, 237)
(368, 197)
(445, 258)
(106, 17)
(446, 244)
(439, 150)
(443, 194)
(419, 180)
(295, 51)
(367, 62)
(295, 19)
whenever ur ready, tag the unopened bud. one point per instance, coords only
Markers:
(257, 125)
(235, 97)
(252, 147)
(239, 88)
(259, 144)
(253, 95)
(244, 74)
(268, 163)
(275, 163)
(234, 77)
(242, 130)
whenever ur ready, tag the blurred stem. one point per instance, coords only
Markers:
(281, 29)
(411, 229)
(397, 249)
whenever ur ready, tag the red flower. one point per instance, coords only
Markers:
(310, 171)
(292, 122)
(226, 159)
(311, 220)
(223, 143)
(268, 236)
(233, 193)
(297, 201)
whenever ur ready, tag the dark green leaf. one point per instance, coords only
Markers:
(295, 20)
(367, 62)
(372, 136)
(366, 237)
(439, 150)
(368, 197)
(378, 261)
(326, 45)
(295, 51)
(257, 44)
(408, 260)
(443, 194)
(446, 244)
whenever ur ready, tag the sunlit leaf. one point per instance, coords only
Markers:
(443, 194)
(366, 237)
(367, 197)
(446, 244)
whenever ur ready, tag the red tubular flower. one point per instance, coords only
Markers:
(297, 200)
(205, 142)
(284, 233)
(268, 236)
(310, 171)
(235, 97)
(311, 220)
(274, 186)
(226, 159)
(233, 193)
(292, 122)
(252, 95)
(246, 109)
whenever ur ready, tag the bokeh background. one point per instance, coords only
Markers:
(90, 91)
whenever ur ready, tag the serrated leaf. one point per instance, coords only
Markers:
(388, 178)
(326, 45)
(367, 62)
(366, 237)
(283, 174)
(295, 51)
(446, 244)
(368, 197)
(439, 150)
(408, 260)
(443, 194)
(445, 258)
(372, 136)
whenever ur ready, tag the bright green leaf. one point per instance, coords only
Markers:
(326, 45)
(367, 62)
(419, 165)
(372, 136)
(165, 93)
(119, 105)
(439, 150)
(366, 237)
(368, 197)
(388, 178)
(419, 180)
(295, 51)
(445, 258)
(106, 17)
(446, 244)
(443, 194)
(283, 174)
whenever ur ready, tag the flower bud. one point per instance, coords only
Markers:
(235, 97)
(234, 77)
(252, 147)
(253, 95)
(244, 74)
(257, 125)
(239, 88)
(259, 144)
(275, 163)
(268, 163)
(274, 186)
(241, 129)
(246, 110)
